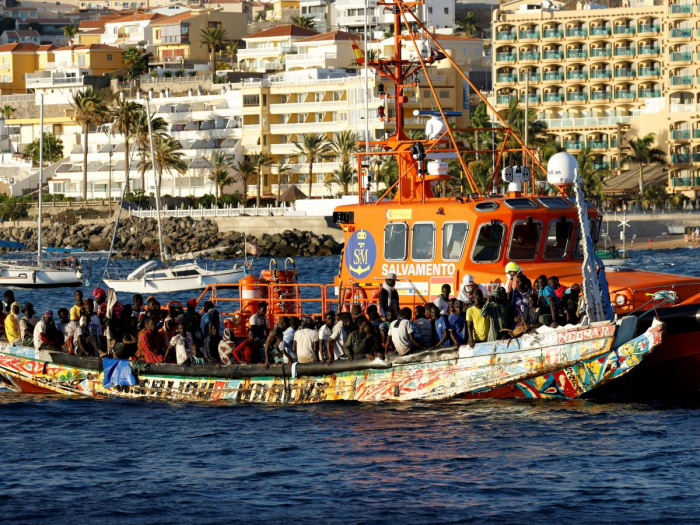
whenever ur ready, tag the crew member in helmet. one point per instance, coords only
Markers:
(512, 271)
(468, 286)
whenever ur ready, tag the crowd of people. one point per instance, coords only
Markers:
(100, 326)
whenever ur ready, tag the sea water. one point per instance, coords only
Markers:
(105, 461)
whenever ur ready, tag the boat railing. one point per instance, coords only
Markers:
(627, 299)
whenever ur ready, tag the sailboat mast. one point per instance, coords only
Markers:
(41, 175)
(163, 255)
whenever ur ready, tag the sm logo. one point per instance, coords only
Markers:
(360, 254)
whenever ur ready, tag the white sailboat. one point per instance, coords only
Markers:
(45, 273)
(162, 276)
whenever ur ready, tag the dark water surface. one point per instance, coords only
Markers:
(81, 460)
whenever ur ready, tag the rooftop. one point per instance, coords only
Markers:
(332, 36)
(283, 30)
(90, 47)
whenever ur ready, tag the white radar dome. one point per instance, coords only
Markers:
(561, 169)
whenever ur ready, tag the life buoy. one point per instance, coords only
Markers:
(178, 303)
(354, 295)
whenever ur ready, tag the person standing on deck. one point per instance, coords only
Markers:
(306, 342)
(336, 343)
(512, 271)
(324, 336)
(258, 322)
(477, 325)
(402, 334)
(12, 332)
(388, 296)
(468, 286)
(79, 304)
(442, 301)
(498, 310)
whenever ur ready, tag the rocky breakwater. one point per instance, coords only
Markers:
(138, 239)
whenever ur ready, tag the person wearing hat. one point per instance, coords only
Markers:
(100, 302)
(45, 334)
(512, 271)
(388, 296)
(27, 324)
(12, 331)
(468, 286)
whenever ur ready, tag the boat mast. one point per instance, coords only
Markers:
(41, 175)
(163, 255)
(366, 164)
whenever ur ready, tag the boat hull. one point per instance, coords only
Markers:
(37, 278)
(175, 284)
(428, 375)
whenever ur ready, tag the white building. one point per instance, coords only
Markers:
(323, 13)
(436, 15)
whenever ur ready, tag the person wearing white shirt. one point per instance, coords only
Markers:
(324, 334)
(339, 335)
(306, 342)
(259, 323)
(442, 301)
(401, 333)
(468, 286)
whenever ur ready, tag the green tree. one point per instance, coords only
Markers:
(125, 116)
(482, 172)
(260, 161)
(479, 120)
(53, 149)
(592, 177)
(90, 110)
(169, 157)
(344, 144)
(467, 26)
(70, 31)
(231, 49)
(388, 173)
(245, 171)
(642, 152)
(654, 196)
(282, 175)
(221, 165)
(537, 129)
(142, 141)
(415, 134)
(303, 21)
(7, 111)
(314, 148)
(344, 177)
(135, 61)
(213, 38)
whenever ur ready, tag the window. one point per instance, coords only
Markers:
(109, 58)
(444, 94)
(430, 10)
(395, 241)
(264, 100)
(447, 10)
(525, 240)
(81, 60)
(558, 238)
(423, 245)
(453, 236)
(489, 240)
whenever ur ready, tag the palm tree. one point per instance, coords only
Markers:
(90, 110)
(313, 147)
(70, 31)
(388, 172)
(260, 161)
(231, 48)
(220, 163)
(654, 195)
(282, 174)
(592, 177)
(415, 134)
(124, 117)
(466, 26)
(482, 172)
(245, 171)
(169, 157)
(537, 129)
(642, 152)
(7, 111)
(303, 21)
(213, 38)
(478, 120)
(142, 139)
(344, 144)
(344, 177)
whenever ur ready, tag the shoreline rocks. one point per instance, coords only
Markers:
(138, 239)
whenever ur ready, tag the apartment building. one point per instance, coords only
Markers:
(322, 12)
(131, 30)
(597, 75)
(266, 50)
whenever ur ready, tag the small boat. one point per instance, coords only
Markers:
(154, 277)
(601, 349)
(612, 257)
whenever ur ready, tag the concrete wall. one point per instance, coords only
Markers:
(645, 226)
(259, 225)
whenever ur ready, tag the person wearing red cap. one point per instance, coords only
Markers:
(100, 302)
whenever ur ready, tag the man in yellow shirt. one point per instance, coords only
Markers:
(12, 325)
(477, 324)
(75, 309)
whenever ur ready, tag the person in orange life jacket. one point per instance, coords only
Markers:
(442, 301)
(388, 296)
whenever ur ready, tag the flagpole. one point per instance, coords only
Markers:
(366, 106)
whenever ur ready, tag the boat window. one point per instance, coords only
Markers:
(520, 204)
(554, 203)
(489, 240)
(395, 241)
(453, 236)
(558, 238)
(185, 273)
(423, 242)
(486, 206)
(525, 239)
(160, 275)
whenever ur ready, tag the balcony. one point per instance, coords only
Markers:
(649, 72)
(505, 35)
(553, 97)
(696, 133)
(681, 9)
(503, 99)
(685, 182)
(684, 56)
(648, 50)
(263, 52)
(600, 73)
(680, 158)
(504, 78)
(680, 134)
(598, 144)
(599, 52)
(600, 31)
(601, 95)
(309, 60)
(586, 121)
(625, 73)
(574, 145)
(505, 57)
(682, 108)
(649, 93)
(576, 53)
(648, 29)
(577, 96)
(576, 75)
(576, 32)
(696, 157)
(532, 99)
(623, 30)
(601, 165)
(552, 33)
(534, 77)
(681, 32)
(529, 35)
(681, 80)
(629, 94)
(529, 55)
(556, 76)
(553, 55)
(624, 52)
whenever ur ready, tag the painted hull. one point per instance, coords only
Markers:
(176, 284)
(28, 277)
(428, 375)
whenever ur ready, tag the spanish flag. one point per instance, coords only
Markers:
(359, 54)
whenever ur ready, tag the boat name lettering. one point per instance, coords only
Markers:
(407, 269)
(399, 215)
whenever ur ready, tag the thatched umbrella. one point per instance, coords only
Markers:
(292, 194)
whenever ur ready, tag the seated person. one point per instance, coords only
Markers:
(12, 331)
(443, 331)
(27, 324)
(183, 345)
(424, 328)
(275, 344)
(306, 343)
(402, 333)
(248, 351)
(354, 345)
(152, 343)
(210, 350)
(84, 343)
(46, 335)
(372, 344)
(458, 322)
(226, 347)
